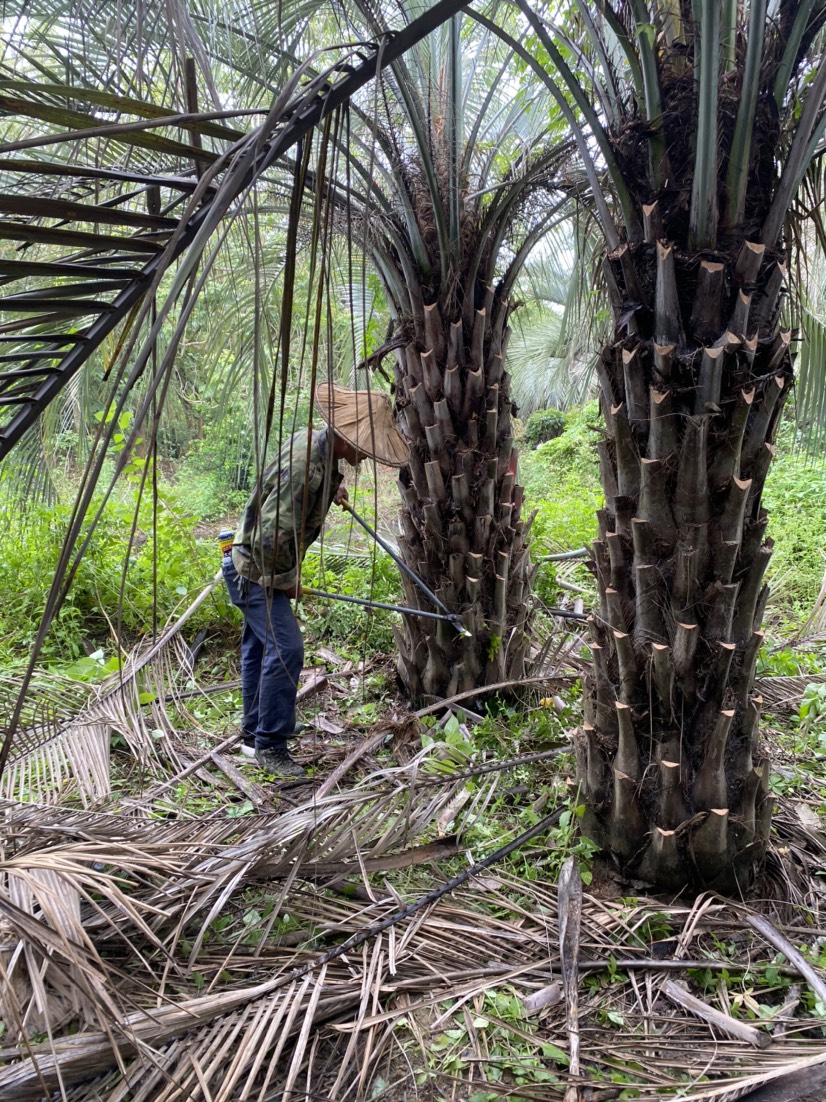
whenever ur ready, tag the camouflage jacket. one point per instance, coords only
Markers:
(285, 513)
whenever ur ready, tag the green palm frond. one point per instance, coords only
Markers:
(548, 369)
(26, 478)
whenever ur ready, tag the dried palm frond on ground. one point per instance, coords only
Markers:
(168, 1011)
(153, 951)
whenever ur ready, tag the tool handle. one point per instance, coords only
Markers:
(402, 565)
(381, 604)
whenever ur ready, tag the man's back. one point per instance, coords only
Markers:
(284, 514)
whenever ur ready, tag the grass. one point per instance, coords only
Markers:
(794, 498)
(561, 480)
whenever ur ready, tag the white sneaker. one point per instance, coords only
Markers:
(248, 748)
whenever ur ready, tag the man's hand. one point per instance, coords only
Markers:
(295, 592)
(341, 496)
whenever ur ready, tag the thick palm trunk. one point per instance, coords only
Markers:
(460, 524)
(672, 772)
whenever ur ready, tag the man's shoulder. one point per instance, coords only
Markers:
(304, 443)
(302, 456)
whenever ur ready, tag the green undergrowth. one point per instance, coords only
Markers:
(129, 583)
(795, 499)
(796, 744)
(136, 576)
(368, 575)
(561, 480)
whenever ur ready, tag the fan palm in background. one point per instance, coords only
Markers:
(448, 176)
(557, 332)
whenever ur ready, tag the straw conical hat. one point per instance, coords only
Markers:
(365, 419)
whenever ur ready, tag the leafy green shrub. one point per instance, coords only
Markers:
(373, 578)
(214, 477)
(561, 480)
(794, 498)
(543, 425)
(812, 713)
(545, 584)
(167, 563)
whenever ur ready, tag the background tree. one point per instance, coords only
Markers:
(450, 176)
(703, 121)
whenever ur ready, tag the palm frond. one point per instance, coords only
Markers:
(74, 877)
(262, 1036)
(551, 353)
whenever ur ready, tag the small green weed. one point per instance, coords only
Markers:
(355, 629)
(786, 662)
(793, 497)
(162, 572)
(811, 715)
(499, 1040)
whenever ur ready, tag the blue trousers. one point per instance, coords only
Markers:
(272, 657)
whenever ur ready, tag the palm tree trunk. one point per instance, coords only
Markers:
(460, 525)
(674, 778)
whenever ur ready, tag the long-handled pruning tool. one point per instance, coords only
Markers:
(445, 614)
(381, 604)
(451, 617)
